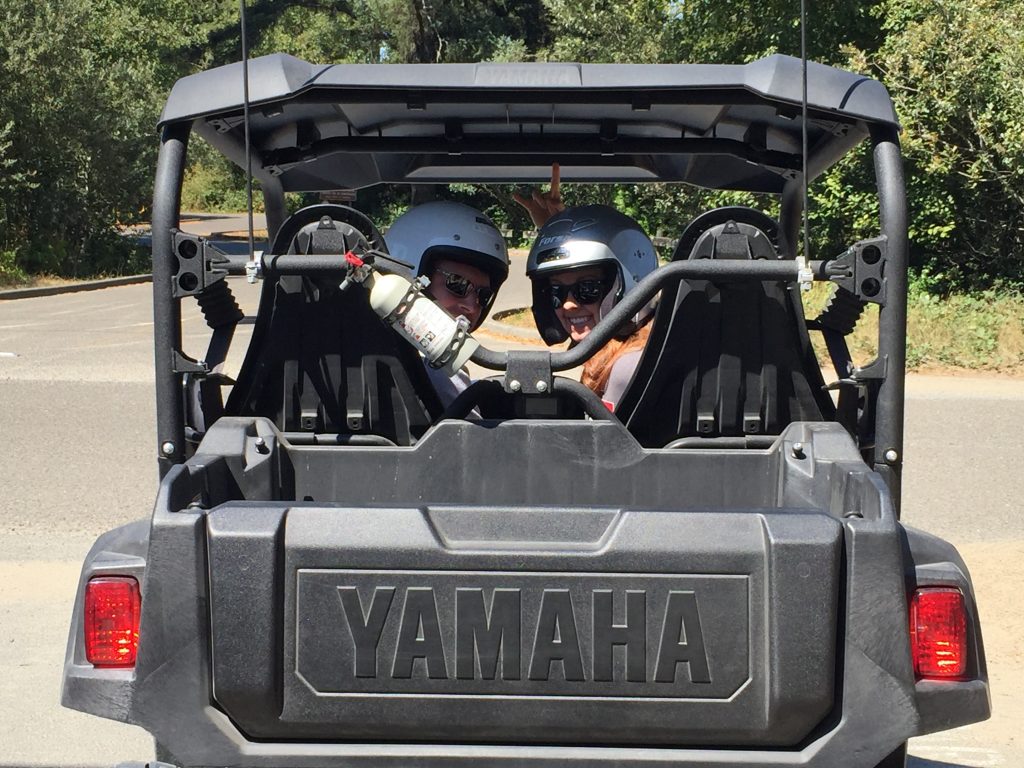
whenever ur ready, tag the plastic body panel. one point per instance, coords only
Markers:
(393, 120)
(553, 692)
(942, 706)
(199, 693)
(774, 78)
(120, 552)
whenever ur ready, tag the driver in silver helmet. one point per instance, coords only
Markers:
(465, 258)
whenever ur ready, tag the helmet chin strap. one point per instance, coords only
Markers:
(611, 298)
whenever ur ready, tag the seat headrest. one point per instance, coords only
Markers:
(733, 232)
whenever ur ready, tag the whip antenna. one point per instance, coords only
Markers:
(803, 121)
(245, 120)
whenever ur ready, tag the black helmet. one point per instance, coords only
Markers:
(586, 236)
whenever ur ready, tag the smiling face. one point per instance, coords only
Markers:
(576, 317)
(459, 276)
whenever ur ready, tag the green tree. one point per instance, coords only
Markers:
(954, 69)
(305, 28)
(454, 31)
(83, 141)
(599, 31)
(743, 30)
(82, 83)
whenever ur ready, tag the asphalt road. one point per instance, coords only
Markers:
(77, 456)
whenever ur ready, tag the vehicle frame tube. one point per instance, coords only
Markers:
(274, 207)
(170, 414)
(646, 289)
(892, 316)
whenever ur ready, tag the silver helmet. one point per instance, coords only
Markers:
(587, 236)
(448, 230)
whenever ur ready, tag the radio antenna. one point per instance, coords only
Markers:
(245, 120)
(803, 125)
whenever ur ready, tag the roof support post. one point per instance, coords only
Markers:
(274, 207)
(791, 207)
(170, 416)
(892, 318)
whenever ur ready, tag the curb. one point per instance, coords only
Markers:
(87, 285)
(511, 332)
(494, 323)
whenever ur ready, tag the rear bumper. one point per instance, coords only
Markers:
(875, 712)
(243, 695)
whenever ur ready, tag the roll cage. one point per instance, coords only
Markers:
(317, 128)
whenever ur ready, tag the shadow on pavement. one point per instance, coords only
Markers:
(920, 762)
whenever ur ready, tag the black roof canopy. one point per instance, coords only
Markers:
(321, 127)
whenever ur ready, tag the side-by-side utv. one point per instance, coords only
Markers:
(340, 572)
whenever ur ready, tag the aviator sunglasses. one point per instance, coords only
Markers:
(458, 285)
(589, 290)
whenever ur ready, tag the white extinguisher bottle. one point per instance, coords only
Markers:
(442, 339)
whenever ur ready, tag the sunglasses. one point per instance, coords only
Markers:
(457, 285)
(589, 290)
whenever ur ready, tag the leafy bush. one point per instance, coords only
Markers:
(85, 136)
(82, 81)
(953, 68)
(10, 272)
(213, 187)
(984, 331)
(979, 331)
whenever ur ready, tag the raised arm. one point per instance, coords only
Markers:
(543, 205)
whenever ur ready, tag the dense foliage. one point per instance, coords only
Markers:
(956, 69)
(82, 81)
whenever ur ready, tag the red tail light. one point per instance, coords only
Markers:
(938, 633)
(112, 608)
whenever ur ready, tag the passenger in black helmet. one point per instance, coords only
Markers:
(582, 263)
(465, 258)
